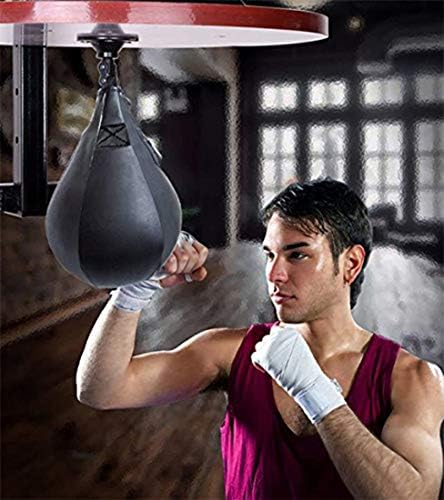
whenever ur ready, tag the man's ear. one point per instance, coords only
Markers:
(353, 261)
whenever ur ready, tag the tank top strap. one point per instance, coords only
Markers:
(374, 374)
(241, 361)
(247, 385)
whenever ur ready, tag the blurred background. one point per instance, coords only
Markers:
(234, 127)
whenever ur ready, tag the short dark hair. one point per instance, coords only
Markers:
(328, 207)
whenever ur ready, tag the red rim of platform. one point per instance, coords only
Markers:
(161, 13)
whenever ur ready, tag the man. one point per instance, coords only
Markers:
(318, 407)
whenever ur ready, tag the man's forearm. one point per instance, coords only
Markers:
(366, 465)
(106, 356)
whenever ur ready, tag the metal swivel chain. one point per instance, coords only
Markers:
(108, 72)
(107, 41)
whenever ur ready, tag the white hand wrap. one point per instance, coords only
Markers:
(286, 357)
(136, 296)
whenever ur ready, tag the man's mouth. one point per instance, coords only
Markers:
(280, 298)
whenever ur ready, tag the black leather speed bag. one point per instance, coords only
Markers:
(114, 217)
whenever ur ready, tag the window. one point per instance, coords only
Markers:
(148, 106)
(382, 91)
(278, 96)
(327, 94)
(383, 173)
(278, 159)
(327, 151)
(429, 88)
(429, 145)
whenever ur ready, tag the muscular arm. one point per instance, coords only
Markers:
(407, 462)
(105, 360)
(109, 376)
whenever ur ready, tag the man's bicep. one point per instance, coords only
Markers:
(165, 377)
(413, 428)
(418, 446)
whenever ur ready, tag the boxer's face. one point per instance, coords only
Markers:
(301, 274)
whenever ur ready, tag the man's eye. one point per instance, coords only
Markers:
(269, 256)
(297, 256)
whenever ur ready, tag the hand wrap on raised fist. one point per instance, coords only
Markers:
(286, 357)
(136, 296)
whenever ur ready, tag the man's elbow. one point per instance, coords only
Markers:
(88, 399)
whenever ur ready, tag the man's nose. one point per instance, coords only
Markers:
(276, 271)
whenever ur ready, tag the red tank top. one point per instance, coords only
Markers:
(263, 459)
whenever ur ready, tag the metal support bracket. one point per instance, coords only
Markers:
(29, 193)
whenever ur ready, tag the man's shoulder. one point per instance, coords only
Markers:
(415, 379)
(225, 345)
(224, 341)
(226, 334)
(407, 364)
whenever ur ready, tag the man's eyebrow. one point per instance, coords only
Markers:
(290, 246)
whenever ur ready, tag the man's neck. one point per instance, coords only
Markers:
(330, 336)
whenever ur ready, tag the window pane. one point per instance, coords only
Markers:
(337, 94)
(335, 168)
(441, 204)
(372, 138)
(425, 204)
(278, 164)
(393, 138)
(380, 91)
(372, 171)
(425, 137)
(425, 171)
(268, 173)
(393, 91)
(372, 197)
(328, 142)
(393, 172)
(317, 94)
(317, 168)
(440, 167)
(268, 96)
(372, 92)
(273, 96)
(288, 140)
(317, 139)
(269, 141)
(426, 88)
(335, 139)
(288, 172)
(440, 132)
(288, 96)
(322, 94)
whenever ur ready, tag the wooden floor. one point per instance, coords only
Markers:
(54, 447)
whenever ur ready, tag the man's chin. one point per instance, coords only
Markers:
(289, 316)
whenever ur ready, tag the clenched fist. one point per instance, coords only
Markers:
(286, 357)
(185, 264)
